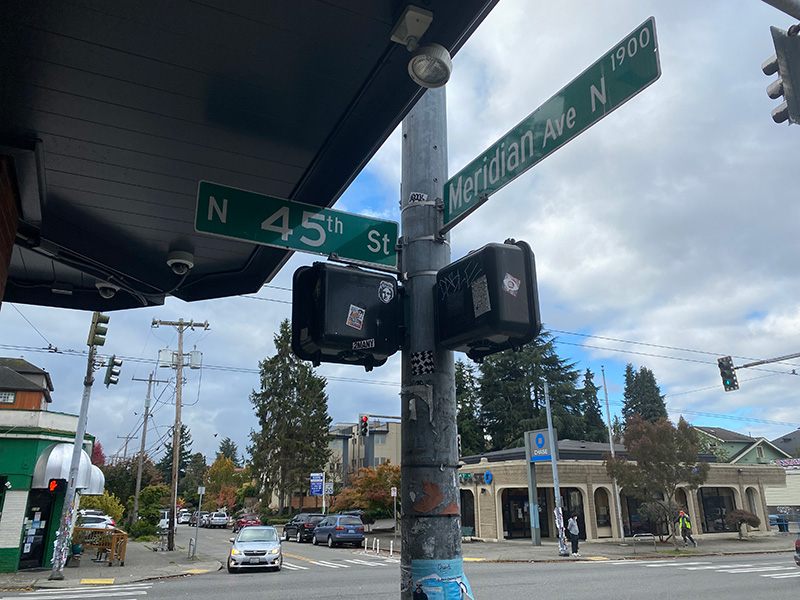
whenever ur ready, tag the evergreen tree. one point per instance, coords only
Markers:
(228, 449)
(292, 411)
(512, 394)
(195, 471)
(121, 477)
(642, 395)
(468, 417)
(595, 427)
(185, 452)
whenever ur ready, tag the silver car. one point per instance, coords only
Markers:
(254, 547)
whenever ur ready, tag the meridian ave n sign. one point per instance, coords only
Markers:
(624, 71)
(239, 214)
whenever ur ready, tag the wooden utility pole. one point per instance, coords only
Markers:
(181, 326)
(127, 438)
(150, 381)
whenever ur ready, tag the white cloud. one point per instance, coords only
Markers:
(672, 222)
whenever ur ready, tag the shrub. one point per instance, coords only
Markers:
(142, 529)
(736, 518)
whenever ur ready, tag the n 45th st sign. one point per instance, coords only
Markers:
(243, 215)
(620, 74)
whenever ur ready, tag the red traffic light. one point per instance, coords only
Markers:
(364, 419)
(57, 486)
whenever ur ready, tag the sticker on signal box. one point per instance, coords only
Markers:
(511, 284)
(355, 317)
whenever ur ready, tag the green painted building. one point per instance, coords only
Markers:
(35, 446)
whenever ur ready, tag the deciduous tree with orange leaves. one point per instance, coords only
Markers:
(371, 490)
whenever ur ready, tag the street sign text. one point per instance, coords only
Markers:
(620, 74)
(243, 215)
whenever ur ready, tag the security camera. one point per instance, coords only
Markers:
(8, 485)
(180, 262)
(105, 289)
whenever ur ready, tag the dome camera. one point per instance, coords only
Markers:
(180, 262)
(105, 289)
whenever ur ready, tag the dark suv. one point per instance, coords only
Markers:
(301, 527)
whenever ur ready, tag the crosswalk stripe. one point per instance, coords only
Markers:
(93, 593)
(782, 575)
(358, 561)
(756, 569)
(714, 567)
(676, 564)
(120, 586)
(324, 563)
(293, 567)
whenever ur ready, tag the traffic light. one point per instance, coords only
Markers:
(786, 63)
(364, 425)
(488, 301)
(728, 374)
(112, 371)
(345, 315)
(98, 330)
(57, 486)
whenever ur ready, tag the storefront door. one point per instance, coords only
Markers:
(37, 520)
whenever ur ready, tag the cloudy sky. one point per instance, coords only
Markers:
(665, 235)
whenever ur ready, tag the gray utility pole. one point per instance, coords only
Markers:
(431, 519)
(62, 538)
(150, 381)
(181, 326)
(617, 499)
(562, 542)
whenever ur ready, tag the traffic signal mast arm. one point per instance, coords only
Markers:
(769, 360)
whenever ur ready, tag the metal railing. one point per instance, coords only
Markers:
(110, 542)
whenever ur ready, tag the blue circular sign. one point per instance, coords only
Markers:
(539, 440)
(488, 476)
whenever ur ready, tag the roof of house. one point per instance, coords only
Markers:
(725, 435)
(789, 442)
(13, 373)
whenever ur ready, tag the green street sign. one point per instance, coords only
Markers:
(620, 74)
(242, 215)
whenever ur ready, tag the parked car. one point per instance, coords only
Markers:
(216, 519)
(163, 521)
(797, 550)
(184, 517)
(301, 527)
(783, 521)
(245, 521)
(95, 521)
(197, 517)
(339, 529)
(255, 546)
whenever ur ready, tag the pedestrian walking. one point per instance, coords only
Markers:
(686, 529)
(572, 527)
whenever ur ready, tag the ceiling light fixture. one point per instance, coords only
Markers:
(430, 65)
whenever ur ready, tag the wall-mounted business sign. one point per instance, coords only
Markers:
(537, 446)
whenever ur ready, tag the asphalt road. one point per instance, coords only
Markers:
(312, 572)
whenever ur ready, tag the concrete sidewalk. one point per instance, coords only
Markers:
(141, 563)
(522, 550)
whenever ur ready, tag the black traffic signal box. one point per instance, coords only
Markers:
(487, 301)
(345, 315)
